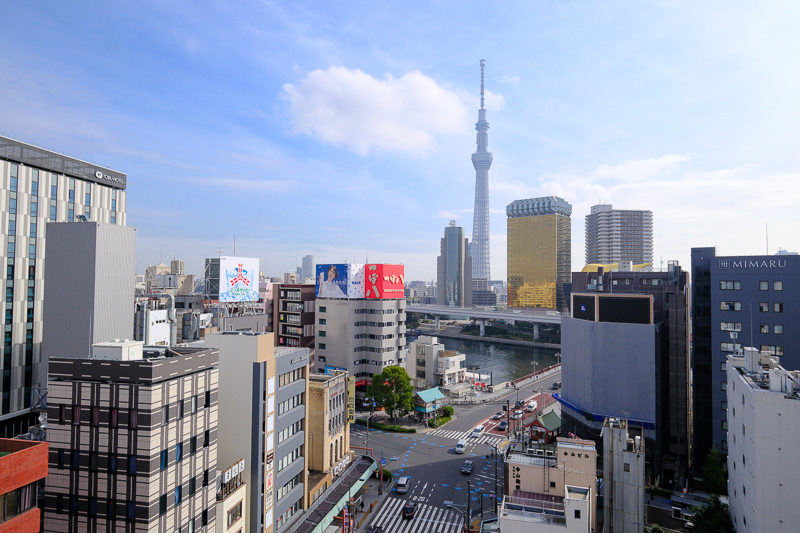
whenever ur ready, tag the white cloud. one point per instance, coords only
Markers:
(351, 109)
(449, 215)
(508, 79)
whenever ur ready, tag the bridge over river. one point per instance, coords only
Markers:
(535, 316)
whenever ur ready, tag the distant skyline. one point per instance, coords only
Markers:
(344, 129)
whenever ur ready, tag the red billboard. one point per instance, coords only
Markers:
(384, 281)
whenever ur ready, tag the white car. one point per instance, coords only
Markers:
(517, 415)
(531, 407)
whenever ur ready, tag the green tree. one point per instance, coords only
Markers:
(713, 476)
(392, 390)
(713, 518)
(653, 528)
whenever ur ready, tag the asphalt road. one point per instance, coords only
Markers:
(430, 461)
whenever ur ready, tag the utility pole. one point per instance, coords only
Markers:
(468, 516)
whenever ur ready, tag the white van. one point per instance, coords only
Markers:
(477, 432)
(461, 447)
(402, 485)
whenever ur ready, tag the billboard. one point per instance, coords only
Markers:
(238, 279)
(339, 281)
(384, 281)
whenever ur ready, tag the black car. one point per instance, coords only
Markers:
(409, 509)
(502, 425)
(556, 385)
(374, 529)
(467, 468)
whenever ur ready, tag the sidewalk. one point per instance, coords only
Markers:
(369, 494)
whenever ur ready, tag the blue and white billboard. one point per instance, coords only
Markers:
(238, 279)
(340, 281)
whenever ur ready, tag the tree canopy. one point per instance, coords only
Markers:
(713, 476)
(392, 390)
(713, 518)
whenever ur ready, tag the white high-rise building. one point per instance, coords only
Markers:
(38, 186)
(763, 442)
(614, 235)
(482, 161)
(309, 268)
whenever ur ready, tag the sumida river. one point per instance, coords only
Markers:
(504, 361)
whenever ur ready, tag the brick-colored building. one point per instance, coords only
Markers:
(23, 464)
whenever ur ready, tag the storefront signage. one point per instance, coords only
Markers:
(341, 465)
(233, 471)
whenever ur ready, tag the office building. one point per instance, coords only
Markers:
(361, 317)
(23, 464)
(673, 414)
(231, 499)
(39, 186)
(737, 301)
(539, 479)
(763, 443)
(309, 268)
(482, 161)
(539, 252)
(294, 318)
(571, 514)
(430, 365)
(263, 408)
(623, 477)
(614, 235)
(329, 417)
(133, 440)
(89, 293)
(454, 269)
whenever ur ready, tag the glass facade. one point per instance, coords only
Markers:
(539, 260)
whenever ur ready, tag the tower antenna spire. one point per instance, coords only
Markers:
(483, 65)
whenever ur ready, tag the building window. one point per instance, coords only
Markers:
(76, 414)
(763, 285)
(134, 419)
(178, 495)
(162, 505)
(95, 416)
(322, 322)
(724, 444)
(724, 425)
(132, 465)
(730, 306)
(322, 309)
(194, 404)
(724, 405)
(114, 417)
(208, 400)
(131, 512)
(627, 467)
(76, 460)
(777, 307)
(723, 366)
(577, 514)
(730, 285)
(777, 285)
(93, 507)
(164, 459)
(234, 514)
(179, 452)
(730, 326)
(180, 408)
(777, 329)
(206, 438)
(723, 385)
(112, 463)
(61, 458)
(193, 445)
(321, 346)
(764, 328)
(321, 333)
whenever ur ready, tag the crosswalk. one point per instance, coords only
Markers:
(486, 438)
(427, 519)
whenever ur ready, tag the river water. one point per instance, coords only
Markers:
(504, 361)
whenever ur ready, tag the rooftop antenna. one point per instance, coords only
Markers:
(219, 251)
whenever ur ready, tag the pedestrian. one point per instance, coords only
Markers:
(362, 505)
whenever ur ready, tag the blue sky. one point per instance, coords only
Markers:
(333, 128)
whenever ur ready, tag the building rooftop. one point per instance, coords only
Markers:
(431, 395)
(762, 372)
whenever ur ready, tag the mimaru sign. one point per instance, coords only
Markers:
(751, 263)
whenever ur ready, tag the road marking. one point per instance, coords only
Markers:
(428, 518)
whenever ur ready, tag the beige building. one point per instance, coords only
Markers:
(231, 499)
(520, 515)
(328, 430)
(543, 474)
(430, 365)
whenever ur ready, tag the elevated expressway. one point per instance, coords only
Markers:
(535, 316)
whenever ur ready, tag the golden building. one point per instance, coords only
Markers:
(539, 252)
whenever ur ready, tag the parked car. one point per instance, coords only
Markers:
(517, 415)
(374, 529)
(467, 468)
(409, 509)
(498, 415)
(503, 425)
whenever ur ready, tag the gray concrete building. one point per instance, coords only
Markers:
(454, 269)
(623, 477)
(89, 293)
(39, 186)
(133, 440)
(614, 235)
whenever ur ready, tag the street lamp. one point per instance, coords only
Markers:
(497, 454)
(466, 514)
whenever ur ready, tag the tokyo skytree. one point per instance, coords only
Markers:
(482, 161)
